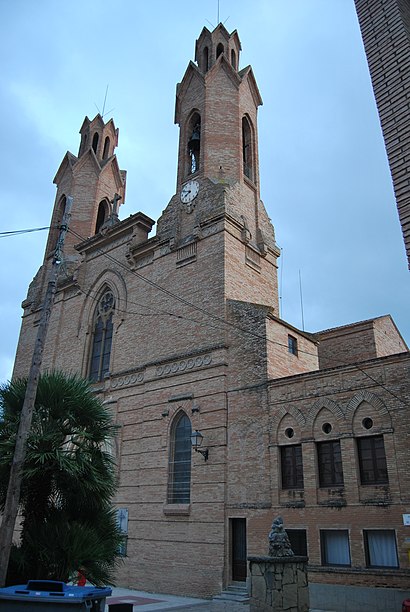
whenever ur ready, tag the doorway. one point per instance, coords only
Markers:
(238, 541)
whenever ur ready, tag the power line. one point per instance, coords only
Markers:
(224, 321)
(23, 231)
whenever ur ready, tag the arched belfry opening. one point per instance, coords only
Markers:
(205, 59)
(194, 143)
(233, 59)
(83, 143)
(95, 142)
(102, 215)
(106, 151)
(220, 49)
(247, 149)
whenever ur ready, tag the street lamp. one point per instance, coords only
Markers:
(196, 441)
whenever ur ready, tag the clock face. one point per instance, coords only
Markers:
(189, 191)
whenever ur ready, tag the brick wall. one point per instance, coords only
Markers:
(359, 341)
(385, 27)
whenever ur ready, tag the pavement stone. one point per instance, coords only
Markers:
(155, 602)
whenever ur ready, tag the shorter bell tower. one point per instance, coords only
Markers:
(95, 182)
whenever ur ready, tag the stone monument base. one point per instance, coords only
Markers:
(278, 584)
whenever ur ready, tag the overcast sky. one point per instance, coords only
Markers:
(325, 179)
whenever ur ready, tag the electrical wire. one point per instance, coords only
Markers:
(24, 231)
(224, 321)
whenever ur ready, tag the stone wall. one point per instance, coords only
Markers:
(278, 584)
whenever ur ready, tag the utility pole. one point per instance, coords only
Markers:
(16, 471)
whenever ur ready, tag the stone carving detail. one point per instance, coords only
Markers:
(184, 364)
(130, 379)
(279, 544)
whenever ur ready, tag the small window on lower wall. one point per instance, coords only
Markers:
(298, 541)
(292, 345)
(380, 547)
(335, 548)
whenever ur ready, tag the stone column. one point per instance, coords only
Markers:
(278, 584)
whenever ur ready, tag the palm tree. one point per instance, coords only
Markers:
(68, 522)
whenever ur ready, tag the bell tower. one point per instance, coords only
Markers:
(216, 109)
(218, 166)
(95, 182)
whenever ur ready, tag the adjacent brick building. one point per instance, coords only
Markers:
(181, 335)
(385, 27)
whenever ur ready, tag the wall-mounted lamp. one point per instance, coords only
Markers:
(196, 441)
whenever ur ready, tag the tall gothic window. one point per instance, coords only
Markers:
(247, 148)
(102, 336)
(179, 481)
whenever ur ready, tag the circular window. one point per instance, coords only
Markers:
(326, 428)
(367, 423)
(289, 432)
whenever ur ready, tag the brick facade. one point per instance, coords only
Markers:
(196, 332)
(385, 27)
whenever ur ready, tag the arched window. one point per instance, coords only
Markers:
(180, 455)
(101, 215)
(219, 50)
(194, 143)
(95, 142)
(83, 144)
(233, 59)
(205, 59)
(247, 149)
(102, 336)
(106, 148)
(55, 227)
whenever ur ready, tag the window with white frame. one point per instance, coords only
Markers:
(380, 547)
(335, 548)
(122, 523)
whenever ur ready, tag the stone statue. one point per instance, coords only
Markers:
(279, 544)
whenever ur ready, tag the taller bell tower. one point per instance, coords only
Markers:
(218, 167)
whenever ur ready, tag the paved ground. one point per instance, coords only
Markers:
(153, 602)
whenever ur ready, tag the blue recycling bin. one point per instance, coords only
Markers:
(50, 595)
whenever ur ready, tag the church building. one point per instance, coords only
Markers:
(229, 415)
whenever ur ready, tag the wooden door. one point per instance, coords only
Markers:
(238, 535)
